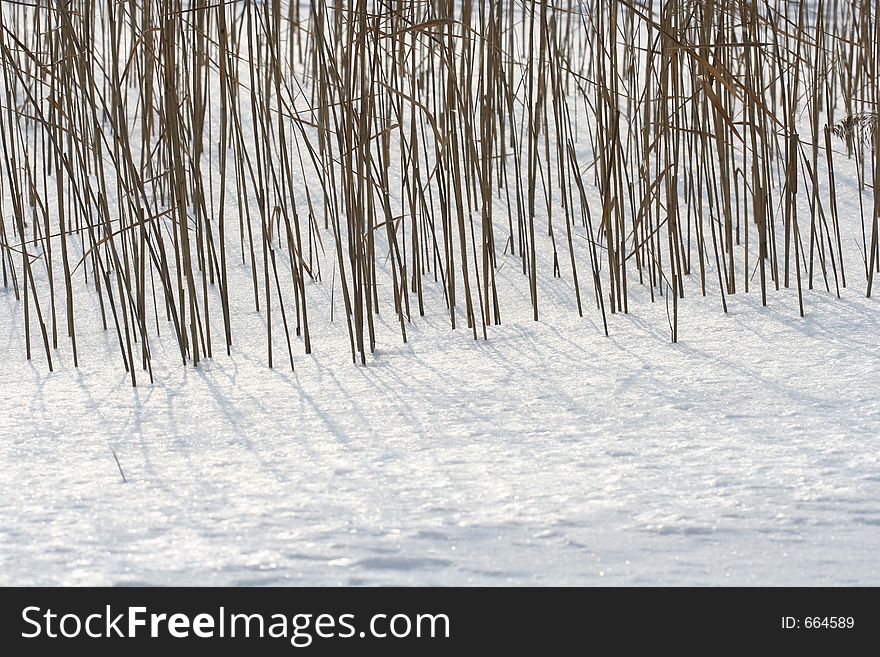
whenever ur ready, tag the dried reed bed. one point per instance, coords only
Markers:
(151, 147)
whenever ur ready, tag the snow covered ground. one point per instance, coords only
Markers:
(549, 454)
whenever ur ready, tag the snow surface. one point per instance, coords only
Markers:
(549, 454)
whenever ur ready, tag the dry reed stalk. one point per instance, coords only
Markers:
(422, 144)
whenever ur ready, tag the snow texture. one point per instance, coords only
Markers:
(549, 454)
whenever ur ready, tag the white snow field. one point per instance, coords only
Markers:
(549, 454)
